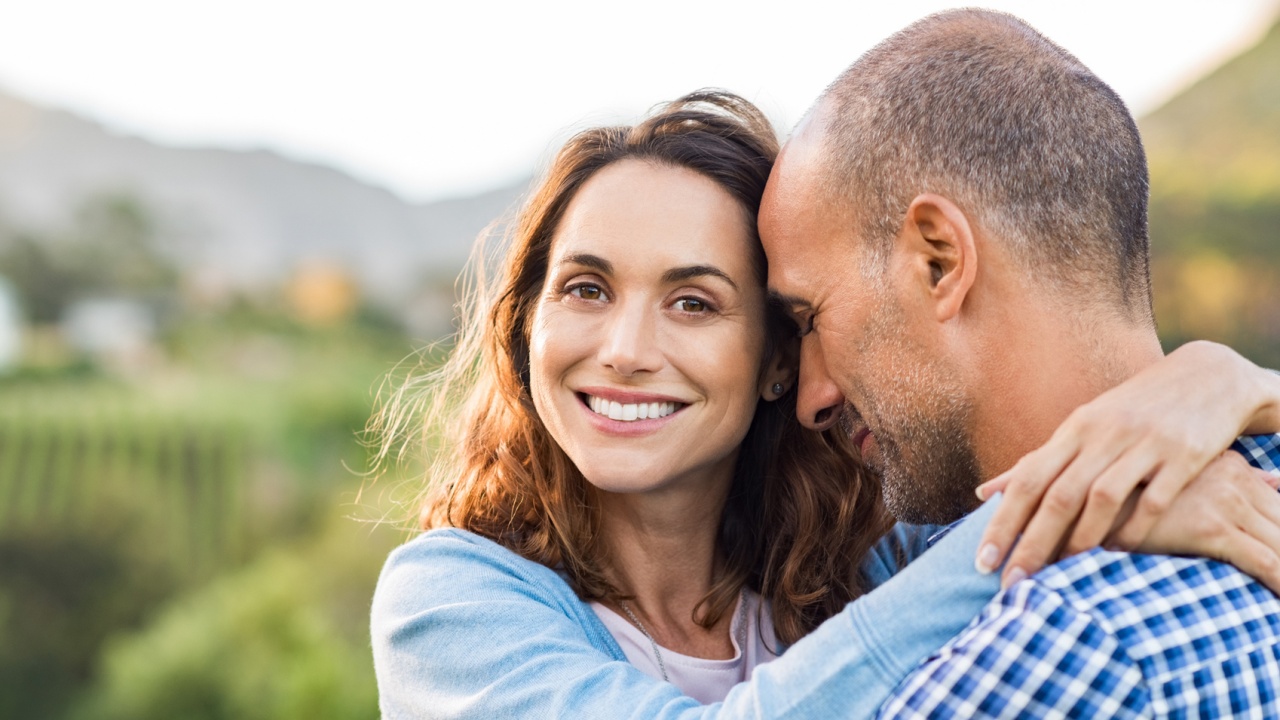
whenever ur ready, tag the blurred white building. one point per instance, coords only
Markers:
(10, 327)
(115, 331)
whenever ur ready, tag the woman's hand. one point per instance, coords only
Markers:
(1149, 436)
(1230, 512)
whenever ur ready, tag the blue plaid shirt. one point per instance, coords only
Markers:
(1105, 634)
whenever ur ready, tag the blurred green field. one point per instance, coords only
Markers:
(193, 542)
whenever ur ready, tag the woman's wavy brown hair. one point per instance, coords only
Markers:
(801, 513)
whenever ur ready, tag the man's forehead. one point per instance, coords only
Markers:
(790, 197)
(799, 164)
(794, 194)
(794, 213)
(804, 150)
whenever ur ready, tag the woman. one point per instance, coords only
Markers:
(626, 497)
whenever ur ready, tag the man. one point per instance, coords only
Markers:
(959, 227)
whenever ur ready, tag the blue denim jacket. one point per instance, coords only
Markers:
(464, 628)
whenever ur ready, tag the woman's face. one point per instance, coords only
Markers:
(647, 342)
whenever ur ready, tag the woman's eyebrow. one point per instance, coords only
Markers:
(689, 272)
(595, 262)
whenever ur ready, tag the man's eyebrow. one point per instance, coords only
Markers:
(689, 272)
(595, 262)
(790, 302)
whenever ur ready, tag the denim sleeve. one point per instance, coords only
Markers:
(902, 544)
(459, 633)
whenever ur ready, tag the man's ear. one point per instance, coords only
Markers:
(938, 245)
(780, 370)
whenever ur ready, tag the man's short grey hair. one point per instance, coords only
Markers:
(979, 107)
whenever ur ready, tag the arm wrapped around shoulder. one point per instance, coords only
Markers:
(463, 628)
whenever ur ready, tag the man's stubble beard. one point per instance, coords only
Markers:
(928, 466)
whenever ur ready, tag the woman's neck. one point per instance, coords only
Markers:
(663, 552)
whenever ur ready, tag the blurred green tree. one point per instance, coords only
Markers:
(285, 638)
(63, 590)
(110, 250)
(1214, 152)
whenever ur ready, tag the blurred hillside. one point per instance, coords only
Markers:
(235, 220)
(1214, 152)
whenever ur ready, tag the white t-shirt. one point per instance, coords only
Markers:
(706, 681)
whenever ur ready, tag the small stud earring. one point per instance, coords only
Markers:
(778, 389)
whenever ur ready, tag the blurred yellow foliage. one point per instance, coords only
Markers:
(321, 294)
(1211, 293)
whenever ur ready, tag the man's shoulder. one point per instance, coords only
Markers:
(1108, 634)
(1103, 580)
(1262, 451)
(1170, 615)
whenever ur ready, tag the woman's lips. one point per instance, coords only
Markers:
(626, 412)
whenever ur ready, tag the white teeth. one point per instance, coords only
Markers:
(629, 413)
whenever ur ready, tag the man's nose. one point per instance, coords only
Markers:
(819, 401)
(630, 343)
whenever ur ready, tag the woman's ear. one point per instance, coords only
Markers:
(780, 370)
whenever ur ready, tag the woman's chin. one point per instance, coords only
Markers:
(635, 480)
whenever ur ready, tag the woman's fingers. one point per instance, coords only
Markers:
(1155, 500)
(1257, 558)
(1051, 523)
(1271, 479)
(1023, 486)
(1107, 501)
(1230, 513)
(1262, 509)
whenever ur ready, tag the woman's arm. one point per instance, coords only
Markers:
(462, 628)
(1151, 435)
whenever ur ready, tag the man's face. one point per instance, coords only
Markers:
(869, 357)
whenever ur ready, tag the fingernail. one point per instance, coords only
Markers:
(987, 556)
(1014, 576)
(981, 492)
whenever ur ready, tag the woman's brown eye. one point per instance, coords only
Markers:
(587, 292)
(691, 305)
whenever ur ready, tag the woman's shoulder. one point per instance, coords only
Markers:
(445, 590)
(451, 565)
(451, 543)
(456, 563)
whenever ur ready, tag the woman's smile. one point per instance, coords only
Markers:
(614, 419)
(616, 406)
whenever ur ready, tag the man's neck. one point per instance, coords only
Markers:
(1058, 361)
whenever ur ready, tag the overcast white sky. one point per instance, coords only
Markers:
(437, 99)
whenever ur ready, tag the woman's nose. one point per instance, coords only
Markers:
(630, 343)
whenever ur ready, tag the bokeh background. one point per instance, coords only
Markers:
(223, 225)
